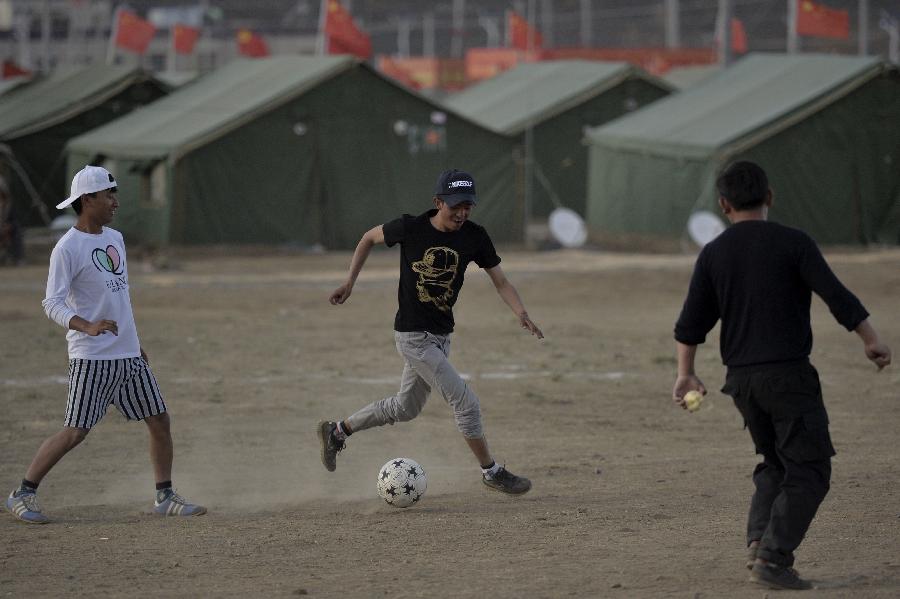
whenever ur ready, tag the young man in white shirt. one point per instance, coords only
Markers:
(87, 293)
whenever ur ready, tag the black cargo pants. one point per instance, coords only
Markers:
(783, 409)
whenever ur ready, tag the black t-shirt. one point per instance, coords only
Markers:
(432, 268)
(758, 277)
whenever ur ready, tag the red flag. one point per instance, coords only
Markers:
(520, 31)
(738, 36)
(817, 20)
(133, 33)
(344, 37)
(185, 38)
(251, 44)
(11, 69)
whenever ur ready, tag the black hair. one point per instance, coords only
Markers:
(744, 184)
(77, 206)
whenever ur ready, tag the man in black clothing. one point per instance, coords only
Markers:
(758, 278)
(12, 246)
(435, 248)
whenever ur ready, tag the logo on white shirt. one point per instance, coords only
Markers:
(108, 260)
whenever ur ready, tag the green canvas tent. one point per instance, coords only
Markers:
(37, 121)
(15, 83)
(293, 150)
(557, 99)
(826, 129)
(689, 76)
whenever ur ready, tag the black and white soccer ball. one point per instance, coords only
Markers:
(401, 482)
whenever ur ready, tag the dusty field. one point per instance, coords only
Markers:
(632, 497)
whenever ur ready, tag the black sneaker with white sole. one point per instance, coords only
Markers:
(330, 445)
(507, 482)
(777, 577)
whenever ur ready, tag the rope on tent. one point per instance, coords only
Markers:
(36, 202)
(545, 183)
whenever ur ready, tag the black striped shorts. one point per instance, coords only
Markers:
(127, 383)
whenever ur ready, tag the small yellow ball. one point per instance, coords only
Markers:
(693, 399)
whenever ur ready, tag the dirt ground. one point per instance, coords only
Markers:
(632, 497)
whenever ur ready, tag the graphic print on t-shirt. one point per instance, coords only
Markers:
(108, 260)
(437, 271)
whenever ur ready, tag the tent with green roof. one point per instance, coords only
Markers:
(825, 128)
(38, 120)
(292, 150)
(13, 83)
(557, 99)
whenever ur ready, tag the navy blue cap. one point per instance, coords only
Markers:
(454, 187)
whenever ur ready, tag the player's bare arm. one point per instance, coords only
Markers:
(686, 380)
(875, 350)
(509, 294)
(370, 239)
(93, 329)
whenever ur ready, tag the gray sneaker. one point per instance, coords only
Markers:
(507, 482)
(25, 507)
(777, 577)
(330, 445)
(170, 503)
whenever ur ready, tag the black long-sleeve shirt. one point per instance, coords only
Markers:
(758, 277)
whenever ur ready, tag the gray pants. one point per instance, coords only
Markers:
(427, 366)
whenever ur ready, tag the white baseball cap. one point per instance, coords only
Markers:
(90, 179)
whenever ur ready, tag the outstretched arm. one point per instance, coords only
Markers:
(371, 237)
(512, 299)
(875, 350)
(686, 380)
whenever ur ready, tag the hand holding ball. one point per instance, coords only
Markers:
(692, 400)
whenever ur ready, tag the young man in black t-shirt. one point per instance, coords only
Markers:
(435, 248)
(758, 278)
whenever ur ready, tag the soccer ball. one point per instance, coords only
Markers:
(401, 482)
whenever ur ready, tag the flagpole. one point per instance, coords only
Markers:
(320, 39)
(459, 22)
(172, 58)
(792, 39)
(23, 35)
(673, 24)
(428, 34)
(113, 32)
(507, 36)
(45, 37)
(532, 24)
(863, 27)
(724, 24)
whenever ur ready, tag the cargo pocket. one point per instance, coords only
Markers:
(795, 393)
(733, 388)
(805, 438)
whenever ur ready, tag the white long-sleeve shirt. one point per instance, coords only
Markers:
(89, 278)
